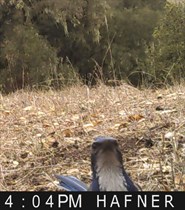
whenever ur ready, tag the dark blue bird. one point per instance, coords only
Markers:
(108, 173)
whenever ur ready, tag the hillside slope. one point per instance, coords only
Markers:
(47, 133)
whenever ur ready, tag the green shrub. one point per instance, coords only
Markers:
(166, 56)
(29, 58)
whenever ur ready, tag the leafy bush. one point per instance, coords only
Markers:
(101, 39)
(166, 56)
(28, 57)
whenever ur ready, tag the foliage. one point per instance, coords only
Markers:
(132, 34)
(28, 58)
(166, 56)
(94, 40)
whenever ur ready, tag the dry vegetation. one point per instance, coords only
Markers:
(47, 133)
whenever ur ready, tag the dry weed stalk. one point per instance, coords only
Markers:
(43, 133)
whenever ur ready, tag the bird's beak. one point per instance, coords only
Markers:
(107, 147)
(108, 153)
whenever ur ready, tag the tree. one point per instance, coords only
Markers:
(130, 28)
(166, 58)
(94, 39)
(29, 59)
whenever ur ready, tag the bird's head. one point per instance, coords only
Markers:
(105, 153)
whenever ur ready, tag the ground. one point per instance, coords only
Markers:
(47, 133)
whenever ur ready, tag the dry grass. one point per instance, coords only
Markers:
(47, 133)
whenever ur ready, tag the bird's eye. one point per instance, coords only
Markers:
(116, 143)
(95, 145)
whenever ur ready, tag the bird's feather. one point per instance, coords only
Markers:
(71, 183)
(108, 173)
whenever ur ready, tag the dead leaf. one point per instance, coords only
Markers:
(122, 113)
(148, 102)
(67, 133)
(22, 118)
(97, 122)
(28, 108)
(73, 171)
(122, 125)
(167, 111)
(40, 113)
(119, 126)
(38, 135)
(169, 135)
(7, 112)
(73, 140)
(180, 179)
(46, 125)
(135, 117)
(94, 115)
(15, 163)
(166, 169)
(88, 127)
(49, 142)
(24, 155)
(160, 96)
(56, 124)
(75, 117)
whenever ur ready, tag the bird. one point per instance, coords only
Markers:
(108, 173)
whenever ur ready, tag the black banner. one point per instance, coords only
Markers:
(92, 200)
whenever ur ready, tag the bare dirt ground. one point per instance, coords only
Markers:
(47, 133)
